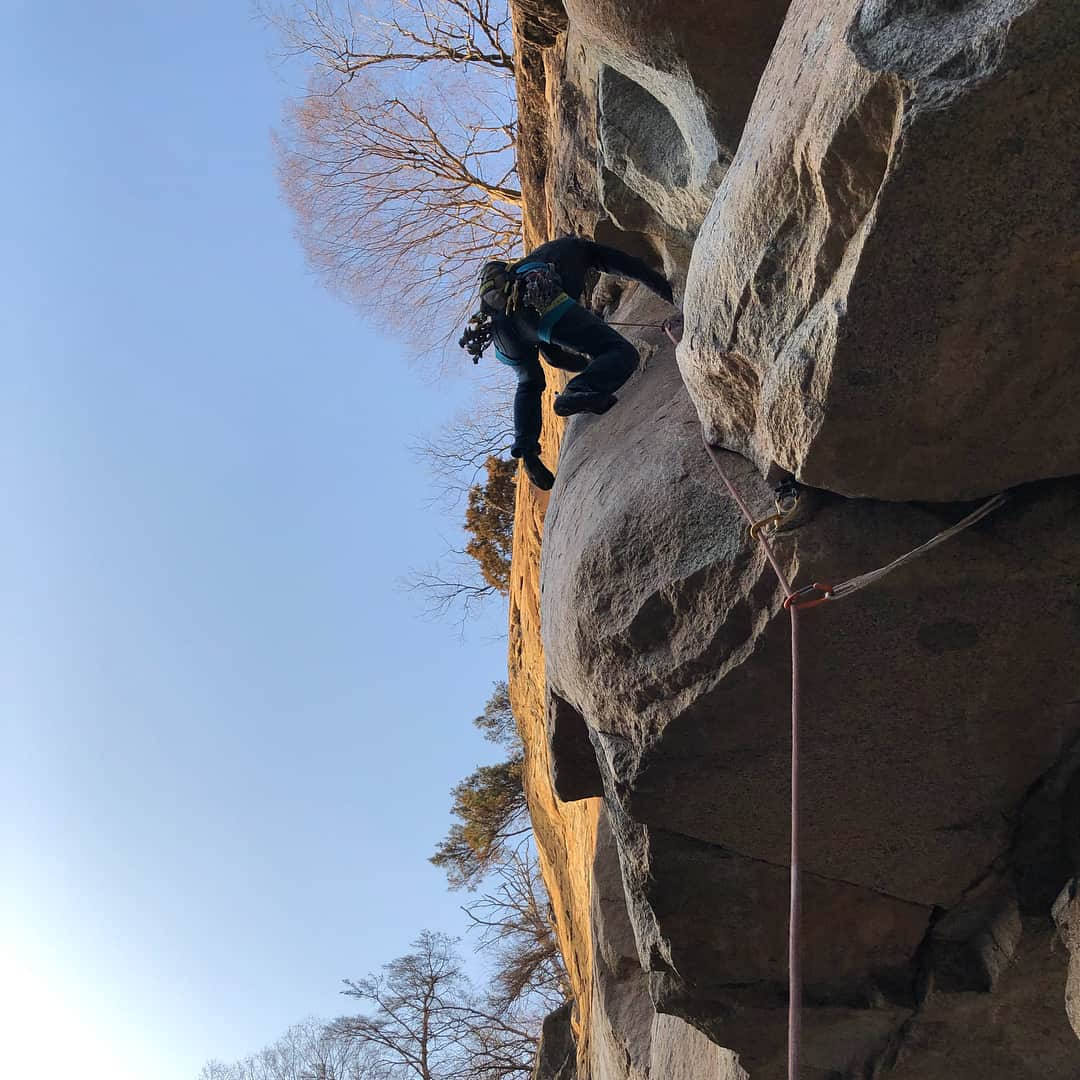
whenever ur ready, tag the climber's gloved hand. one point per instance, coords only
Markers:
(541, 476)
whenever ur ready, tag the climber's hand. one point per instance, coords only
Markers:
(539, 473)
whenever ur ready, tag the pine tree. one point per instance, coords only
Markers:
(489, 803)
(489, 517)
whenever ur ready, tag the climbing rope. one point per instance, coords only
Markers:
(805, 598)
(795, 900)
(664, 324)
(794, 600)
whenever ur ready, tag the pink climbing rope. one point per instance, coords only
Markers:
(795, 897)
(795, 900)
(808, 597)
(781, 576)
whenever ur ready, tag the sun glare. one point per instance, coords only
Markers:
(53, 1031)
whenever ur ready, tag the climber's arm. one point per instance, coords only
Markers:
(527, 415)
(611, 260)
(528, 419)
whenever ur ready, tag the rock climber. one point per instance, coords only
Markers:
(532, 306)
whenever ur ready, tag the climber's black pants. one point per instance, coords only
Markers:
(580, 341)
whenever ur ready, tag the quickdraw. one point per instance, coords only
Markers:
(478, 335)
(786, 501)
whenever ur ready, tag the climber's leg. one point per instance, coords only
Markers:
(562, 359)
(613, 361)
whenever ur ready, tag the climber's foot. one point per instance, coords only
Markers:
(578, 401)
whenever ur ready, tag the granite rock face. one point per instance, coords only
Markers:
(630, 1039)
(558, 69)
(1067, 920)
(674, 84)
(646, 104)
(883, 296)
(556, 1058)
(872, 221)
(941, 738)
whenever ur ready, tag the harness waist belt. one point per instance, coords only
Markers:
(558, 309)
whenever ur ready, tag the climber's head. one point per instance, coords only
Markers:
(493, 283)
(493, 267)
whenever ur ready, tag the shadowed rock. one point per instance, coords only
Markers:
(939, 726)
(556, 1058)
(883, 297)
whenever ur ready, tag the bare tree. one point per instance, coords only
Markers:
(457, 454)
(425, 1022)
(450, 585)
(307, 1051)
(466, 577)
(400, 36)
(399, 161)
(514, 919)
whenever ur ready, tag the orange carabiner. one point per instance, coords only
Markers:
(795, 600)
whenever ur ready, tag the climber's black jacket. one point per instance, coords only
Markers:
(578, 341)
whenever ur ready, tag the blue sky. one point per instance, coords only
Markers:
(228, 740)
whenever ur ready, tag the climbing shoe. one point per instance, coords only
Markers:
(539, 473)
(520, 450)
(578, 401)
